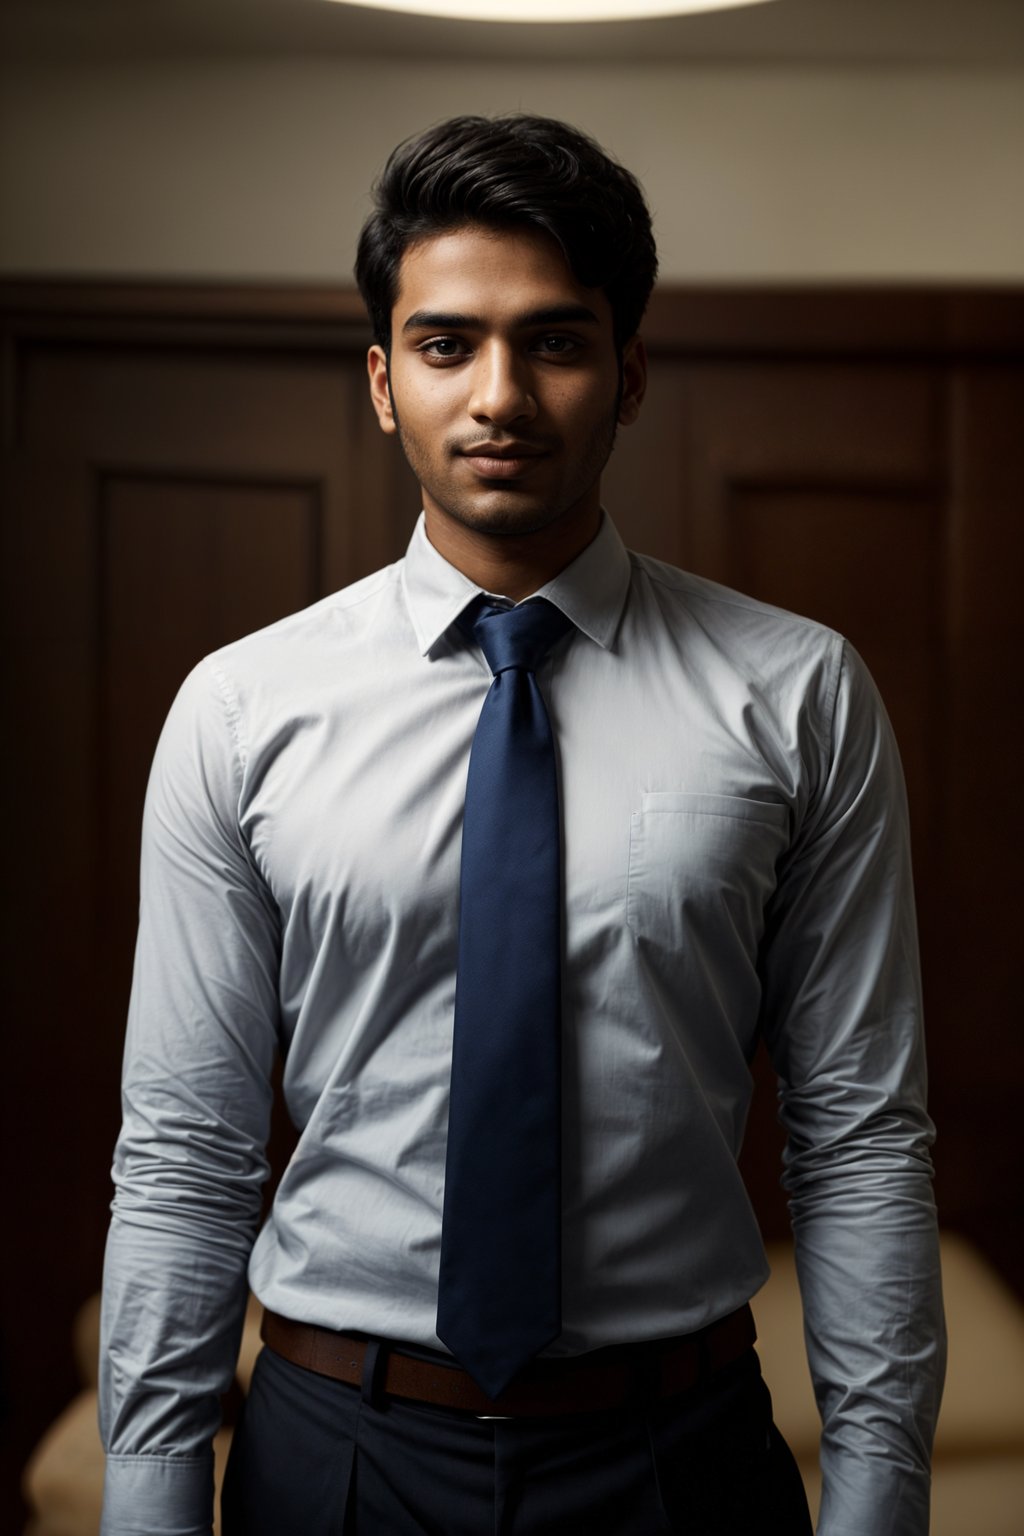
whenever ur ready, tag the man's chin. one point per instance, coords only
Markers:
(501, 515)
(507, 520)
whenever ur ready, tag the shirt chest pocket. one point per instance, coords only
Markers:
(702, 869)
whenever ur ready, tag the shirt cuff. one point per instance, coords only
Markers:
(158, 1496)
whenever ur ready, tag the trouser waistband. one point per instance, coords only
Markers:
(596, 1382)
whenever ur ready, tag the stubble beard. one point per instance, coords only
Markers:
(507, 517)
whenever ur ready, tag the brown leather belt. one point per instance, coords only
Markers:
(591, 1383)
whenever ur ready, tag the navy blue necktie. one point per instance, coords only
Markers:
(499, 1297)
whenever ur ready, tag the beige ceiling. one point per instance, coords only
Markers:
(988, 33)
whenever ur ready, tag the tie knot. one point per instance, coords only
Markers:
(514, 637)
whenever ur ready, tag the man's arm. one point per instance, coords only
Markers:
(196, 1100)
(842, 1015)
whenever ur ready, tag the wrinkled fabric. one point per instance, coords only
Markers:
(735, 863)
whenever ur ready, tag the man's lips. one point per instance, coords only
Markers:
(505, 463)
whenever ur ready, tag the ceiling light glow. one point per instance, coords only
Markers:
(552, 10)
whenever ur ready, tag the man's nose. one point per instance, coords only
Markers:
(501, 390)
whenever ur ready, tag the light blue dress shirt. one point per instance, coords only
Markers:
(735, 860)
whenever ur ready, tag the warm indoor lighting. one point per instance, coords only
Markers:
(552, 10)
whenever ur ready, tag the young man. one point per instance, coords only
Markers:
(511, 850)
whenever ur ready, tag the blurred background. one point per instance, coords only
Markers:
(835, 423)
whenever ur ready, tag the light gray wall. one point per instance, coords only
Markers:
(258, 169)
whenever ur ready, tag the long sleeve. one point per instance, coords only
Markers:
(843, 1022)
(196, 1098)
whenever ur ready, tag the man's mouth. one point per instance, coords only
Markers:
(503, 461)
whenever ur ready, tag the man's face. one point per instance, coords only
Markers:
(504, 382)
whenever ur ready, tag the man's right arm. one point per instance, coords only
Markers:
(196, 1095)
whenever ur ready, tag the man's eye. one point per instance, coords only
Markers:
(442, 346)
(558, 344)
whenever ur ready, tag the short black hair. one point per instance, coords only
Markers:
(505, 172)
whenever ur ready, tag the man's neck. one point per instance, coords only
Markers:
(506, 564)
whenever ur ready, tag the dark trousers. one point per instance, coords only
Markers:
(314, 1457)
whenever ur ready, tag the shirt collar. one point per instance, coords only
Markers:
(591, 591)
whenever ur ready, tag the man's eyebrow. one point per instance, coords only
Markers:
(552, 314)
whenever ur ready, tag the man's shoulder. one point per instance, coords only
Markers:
(727, 611)
(293, 667)
(316, 632)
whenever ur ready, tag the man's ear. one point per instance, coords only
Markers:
(380, 390)
(634, 381)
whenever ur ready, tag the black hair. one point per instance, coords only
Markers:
(505, 172)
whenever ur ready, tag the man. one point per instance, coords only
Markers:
(512, 850)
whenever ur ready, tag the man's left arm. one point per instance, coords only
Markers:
(842, 1018)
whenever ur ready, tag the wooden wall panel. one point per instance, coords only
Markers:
(218, 408)
(180, 466)
(58, 1094)
(976, 1052)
